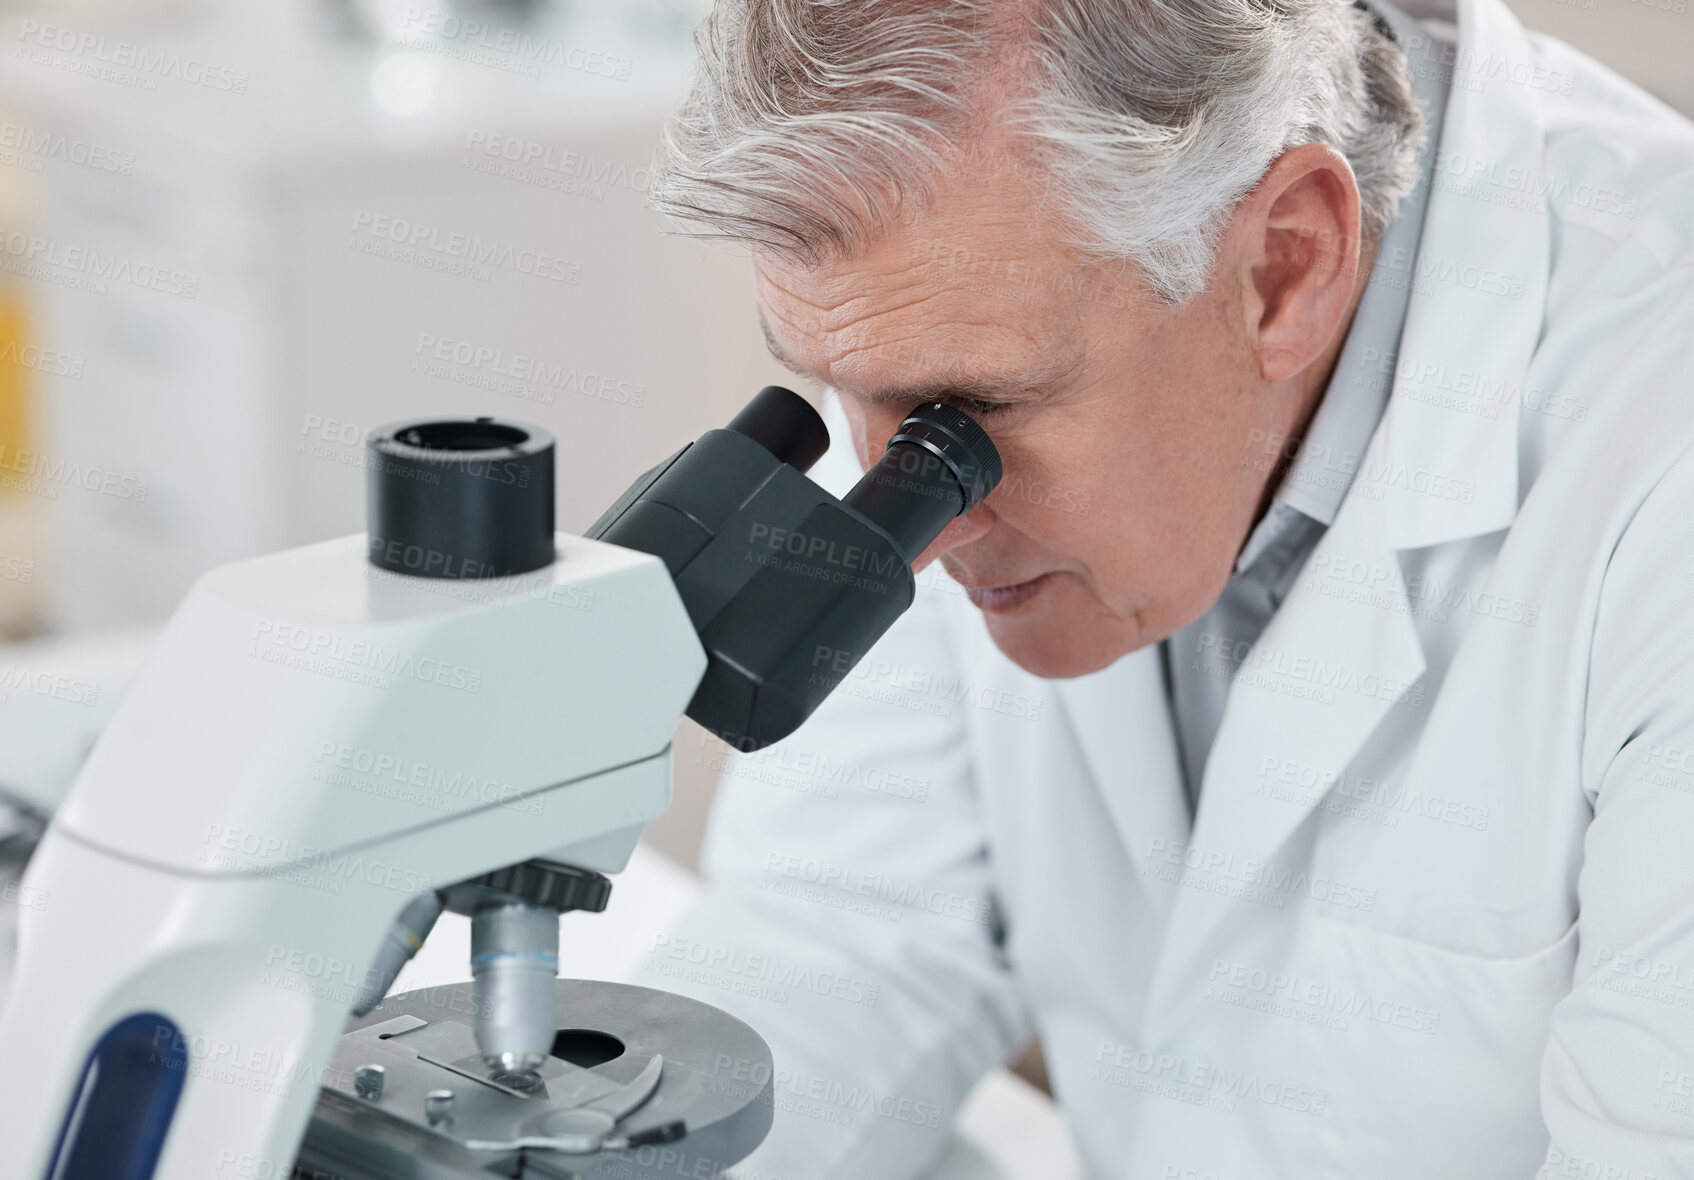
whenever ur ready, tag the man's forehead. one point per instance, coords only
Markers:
(901, 266)
(937, 366)
(969, 296)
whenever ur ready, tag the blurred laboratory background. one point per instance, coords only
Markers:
(235, 235)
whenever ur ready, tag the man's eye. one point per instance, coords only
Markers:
(980, 409)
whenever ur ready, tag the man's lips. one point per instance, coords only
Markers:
(1002, 597)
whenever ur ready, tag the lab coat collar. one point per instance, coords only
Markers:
(1343, 651)
(1481, 279)
(1327, 669)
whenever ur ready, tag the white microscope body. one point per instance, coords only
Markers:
(316, 742)
(312, 743)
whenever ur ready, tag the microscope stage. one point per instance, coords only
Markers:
(715, 1079)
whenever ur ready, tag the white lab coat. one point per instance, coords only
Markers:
(1435, 918)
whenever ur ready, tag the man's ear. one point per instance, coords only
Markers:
(1297, 237)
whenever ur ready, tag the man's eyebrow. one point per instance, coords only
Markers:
(997, 388)
(984, 388)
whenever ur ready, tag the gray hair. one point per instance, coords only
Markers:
(810, 122)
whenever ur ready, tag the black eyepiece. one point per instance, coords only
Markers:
(939, 464)
(460, 497)
(785, 424)
(959, 442)
(787, 586)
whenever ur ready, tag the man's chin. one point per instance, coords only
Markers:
(1050, 645)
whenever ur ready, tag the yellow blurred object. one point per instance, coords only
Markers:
(14, 377)
(19, 513)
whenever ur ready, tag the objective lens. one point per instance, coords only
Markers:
(514, 962)
(939, 464)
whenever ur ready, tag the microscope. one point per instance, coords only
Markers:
(461, 710)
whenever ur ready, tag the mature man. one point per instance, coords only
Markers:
(1300, 740)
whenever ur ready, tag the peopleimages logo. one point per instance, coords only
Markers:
(27, 146)
(33, 256)
(511, 49)
(528, 159)
(762, 976)
(823, 550)
(455, 251)
(380, 772)
(127, 55)
(246, 850)
(356, 660)
(517, 374)
(1187, 1079)
(44, 475)
(53, 685)
(41, 360)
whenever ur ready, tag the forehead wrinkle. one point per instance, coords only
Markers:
(936, 267)
(827, 311)
(854, 326)
(853, 281)
(871, 331)
(917, 334)
(959, 380)
(863, 312)
(878, 313)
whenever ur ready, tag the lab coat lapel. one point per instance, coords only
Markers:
(1120, 718)
(1343, 651)
(1340, 653)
